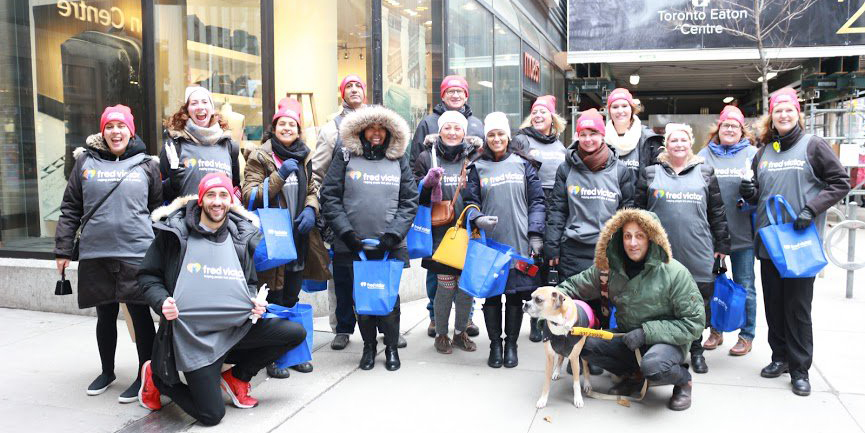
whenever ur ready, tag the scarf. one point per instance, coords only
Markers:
(465, 110)
(626, 143)
(728, 151)
(449, 153)
(632, 268)
(371, 152)
(537, 135)
(597, 160)
(297, 150)
(206, 136)
(786, 141)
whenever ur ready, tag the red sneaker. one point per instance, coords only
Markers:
(238, 390)
(148, 395)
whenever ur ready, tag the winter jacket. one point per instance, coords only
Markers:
(260, 165)
(558, 209)
(325, 144)
(72, 206)
(430, 125)
(662, 299)
(716, 213)
(159, 271)
(183, 138)
(421, 166)
(349, 146)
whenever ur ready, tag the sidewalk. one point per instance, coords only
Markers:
(49, 359)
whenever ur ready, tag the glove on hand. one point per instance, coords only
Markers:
(352, 241)
(305, 221)
(176, 176)
(536, 243)
(433, 177)
(804, 219)
(486, 222)
(388, 241)
(747, 189)
(635, 339)
(288, 166)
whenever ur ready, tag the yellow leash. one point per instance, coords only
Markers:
(607, 335)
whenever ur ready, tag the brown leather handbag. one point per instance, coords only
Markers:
(443, 211)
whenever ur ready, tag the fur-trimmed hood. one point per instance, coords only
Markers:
(96, 143)
(471, 141)
(164, 212)
(664, 158)
(355, 122)
(610, 239)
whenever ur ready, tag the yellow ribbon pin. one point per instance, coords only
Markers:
(777, 146)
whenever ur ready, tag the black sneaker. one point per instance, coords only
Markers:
(100, 384)
(276, 372)
(131, 393)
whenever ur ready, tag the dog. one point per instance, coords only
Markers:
(560, 314)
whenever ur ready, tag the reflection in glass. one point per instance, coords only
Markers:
(470, 51)
(406, 59)
(507, 73)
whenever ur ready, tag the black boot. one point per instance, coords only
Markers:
(698, 364)
(513, 322)
(391, 358)
(493, 320)
(535, 334)
(367, 360)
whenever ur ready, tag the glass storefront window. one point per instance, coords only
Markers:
(506, 12)
(546, 77)
(217, 45)
(470, 51)
(406, 60)
(507, 73)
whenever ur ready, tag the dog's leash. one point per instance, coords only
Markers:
(607, 335)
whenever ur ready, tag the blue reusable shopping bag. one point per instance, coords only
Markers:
(312, 286)
(727, 304)
(300, 313)
(419, 238)
(276, 247)
(795, 253)
(613, 324)
(376, 283)
(487, 265)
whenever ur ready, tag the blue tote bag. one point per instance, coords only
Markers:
(276, 247)
(376, 283)
(419, 238)
(795, 253)
(485, 273)
(727, 304)
(299, 313)
(312, 286)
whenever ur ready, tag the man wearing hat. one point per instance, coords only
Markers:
(353, 92)
(199, 276)
(454, 92)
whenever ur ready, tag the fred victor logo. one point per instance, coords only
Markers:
(592, 193)
(787, 164)
(373, 179)
(215, 272)
(355, 174)
(502, 179)
(193, 267)
(88, 174)
(659, 193)
(677, 197)
(109, 175)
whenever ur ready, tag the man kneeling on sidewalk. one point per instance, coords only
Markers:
(658, 306)
(199, 276)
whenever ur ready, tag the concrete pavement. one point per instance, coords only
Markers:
(48, 359)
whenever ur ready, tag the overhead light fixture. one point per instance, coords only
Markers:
(410, 12)
(361, 55)
(635, 79)
(728, 99)
(427, 23)
(345, 56)
(487, 84)
(470, 6)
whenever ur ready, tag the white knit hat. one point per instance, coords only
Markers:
(194, 89)
(674, 127)
(497, 120)
(452, 116)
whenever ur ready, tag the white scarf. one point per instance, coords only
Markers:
(626, 143)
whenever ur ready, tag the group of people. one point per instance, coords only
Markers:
(623, 219)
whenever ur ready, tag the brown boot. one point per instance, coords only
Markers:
(431, 329)
(463, 342)
(715, 339)
(742, 347)
(681, 398)
(443, 345)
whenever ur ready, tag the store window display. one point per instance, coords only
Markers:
(406, 59)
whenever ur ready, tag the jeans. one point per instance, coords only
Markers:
(431, 285)
(743, 274)
(662, 363)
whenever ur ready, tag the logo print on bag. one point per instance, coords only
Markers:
(279, 233)
(355, 175)
(193, 267)
(798, 246)
(372, 286)
(88, 174)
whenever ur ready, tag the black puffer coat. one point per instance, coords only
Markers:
(430, 125)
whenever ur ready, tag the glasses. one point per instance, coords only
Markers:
(729, 126)
(454, 92)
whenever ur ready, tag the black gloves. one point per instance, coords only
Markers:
(388, 241)
(804, 219)
(352, 241)
(747, 189)
(635, 339)
(176, 176)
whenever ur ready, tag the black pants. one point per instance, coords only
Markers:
(388, 325)
(788, 314)
(662, 363)
(511, 299)
(707, 290)
(343, 286)
(290, 293)
(106, 333)
(202, 398)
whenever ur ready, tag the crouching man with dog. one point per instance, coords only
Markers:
(658, 306)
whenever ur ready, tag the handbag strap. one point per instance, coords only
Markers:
(264, 194)
(779, 200)
(461, 183)
(373, 242)
(90, 214)
(463, 214)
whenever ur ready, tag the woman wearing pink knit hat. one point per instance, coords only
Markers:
(635, 144)
(812, 180)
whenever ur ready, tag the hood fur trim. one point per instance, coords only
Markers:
(646, 220)
(180, 202)
(474, 142)
(97, 142)
(664, 157)
(356, 121)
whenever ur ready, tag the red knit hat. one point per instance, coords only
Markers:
(786, 94)
(288, 107)
(617, 94)
(214, 180)
(453, 81)
(591, 119)
(351, 79)
(120, 113)
(547, 101)
(734, 113)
